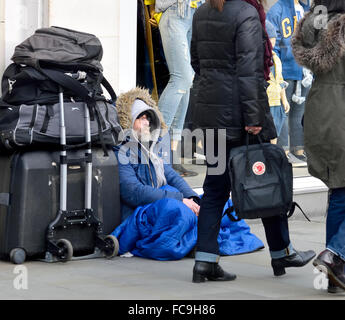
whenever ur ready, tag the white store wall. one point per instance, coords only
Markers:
(114, 22)
(2, 35)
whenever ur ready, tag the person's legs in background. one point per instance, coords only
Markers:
(216, 194)
(277, 229)
(291, 137)
(279, 116)
(173, 103)
(332, 260)
(283, 138)
(335, 223)
(281, 250)
(277, 235)
(296, 128)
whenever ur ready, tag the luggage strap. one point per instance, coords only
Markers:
(49, 114)
(74, 161)
(5, 199)
(67, 82)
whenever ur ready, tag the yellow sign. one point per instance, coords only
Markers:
(194, 4)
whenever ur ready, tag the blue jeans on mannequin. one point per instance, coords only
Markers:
(335, 224)
(292, 127)
(176, 35)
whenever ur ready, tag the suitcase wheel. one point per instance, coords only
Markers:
(111, 248)
(65, 250)
(17, 255)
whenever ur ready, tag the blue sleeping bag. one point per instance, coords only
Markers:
(167, 230)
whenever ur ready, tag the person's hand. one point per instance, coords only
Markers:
(253, 130)
(192, 205)
(286, 106)
(152, 20)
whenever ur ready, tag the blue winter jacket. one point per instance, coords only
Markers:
(283, 16)
(137, 188)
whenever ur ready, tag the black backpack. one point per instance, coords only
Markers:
(43, 64)
(261, 182)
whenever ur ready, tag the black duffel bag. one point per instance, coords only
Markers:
(35, 123)
(261, 182)
(50, 60)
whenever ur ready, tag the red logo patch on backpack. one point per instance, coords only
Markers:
(259, 168)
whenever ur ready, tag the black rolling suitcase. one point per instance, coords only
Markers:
(29, 203)
(56, 205)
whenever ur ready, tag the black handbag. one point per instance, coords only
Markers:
(261, 181)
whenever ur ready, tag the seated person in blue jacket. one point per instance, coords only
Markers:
(159, 209)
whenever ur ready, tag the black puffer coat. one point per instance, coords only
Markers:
(228, 53)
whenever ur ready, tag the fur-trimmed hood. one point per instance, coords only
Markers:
(319, 49)
(125, 102)
(129, 107)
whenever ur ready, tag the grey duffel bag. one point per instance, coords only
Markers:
(39, 125)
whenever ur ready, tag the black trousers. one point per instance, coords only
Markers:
(216, 193)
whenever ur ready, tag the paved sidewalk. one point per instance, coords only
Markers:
(137, 279)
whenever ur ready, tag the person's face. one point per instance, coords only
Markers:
(142, 127)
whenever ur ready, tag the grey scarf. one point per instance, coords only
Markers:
(157, 163)
(139, 107)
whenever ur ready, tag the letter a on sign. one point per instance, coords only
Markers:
(20, 282)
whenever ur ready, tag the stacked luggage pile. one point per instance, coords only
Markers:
(59, 184)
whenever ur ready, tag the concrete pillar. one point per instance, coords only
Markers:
(22, 18)
(114, 22)
(2, 36)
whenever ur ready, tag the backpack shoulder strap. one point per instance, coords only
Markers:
(292, 210)
(109, 88)
(228, 212)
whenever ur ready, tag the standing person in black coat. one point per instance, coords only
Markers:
(232, 58)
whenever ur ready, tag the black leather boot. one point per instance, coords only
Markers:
(330, 263)
(333, 288)
(211, 271)
(297, 259)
